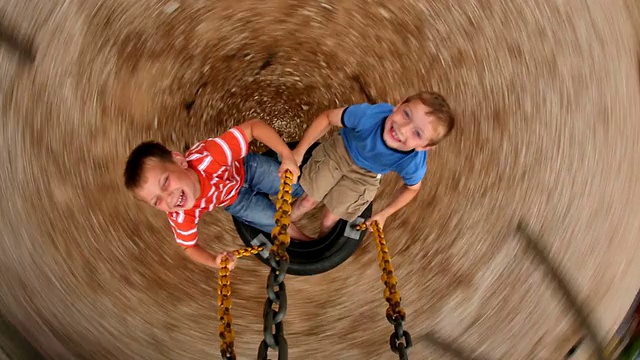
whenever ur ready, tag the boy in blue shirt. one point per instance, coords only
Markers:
(345, 171)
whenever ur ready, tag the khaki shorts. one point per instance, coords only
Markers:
(331, 177)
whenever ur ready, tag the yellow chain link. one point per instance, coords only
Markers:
(248, 251)
(224, 310)
(281, 240)
(225, 330)
(280, 233)
(391, 294)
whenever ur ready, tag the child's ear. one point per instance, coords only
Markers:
(179, 159)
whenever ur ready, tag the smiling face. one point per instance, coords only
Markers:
(168, 185)
(411, 127)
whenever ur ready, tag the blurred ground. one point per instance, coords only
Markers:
(547, 100)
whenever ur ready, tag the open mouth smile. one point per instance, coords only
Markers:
(181, 199)
(394, 134)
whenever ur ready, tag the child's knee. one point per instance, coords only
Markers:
(327, 223)
(298, 191)
(307, 202)
(329, 219)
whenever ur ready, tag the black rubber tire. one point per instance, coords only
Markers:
(310, 257)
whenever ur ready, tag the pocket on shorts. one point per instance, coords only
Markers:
(361, 203)
(310, 179)
(311, 167)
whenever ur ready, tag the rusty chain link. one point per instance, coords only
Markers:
(224, 302)
(224, 311)
(248, 251)
(400, 340)
(276, 290)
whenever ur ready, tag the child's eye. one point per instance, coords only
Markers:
(416, 133)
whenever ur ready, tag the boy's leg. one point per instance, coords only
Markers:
(261, 177)
(352, 190)
(256, 209)
(328, 221)
(349, 197)
(261, 174)
(319, 175)
(302, 206)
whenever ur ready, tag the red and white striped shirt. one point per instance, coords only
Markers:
(220, 168)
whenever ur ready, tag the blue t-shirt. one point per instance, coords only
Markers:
(363, 126)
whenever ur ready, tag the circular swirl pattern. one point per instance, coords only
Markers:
(546, 96)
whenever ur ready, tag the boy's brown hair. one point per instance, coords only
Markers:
(138, 158)
(439, 110)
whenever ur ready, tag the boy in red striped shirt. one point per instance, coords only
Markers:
(215, 172)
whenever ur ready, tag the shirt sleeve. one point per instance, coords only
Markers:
(414, 172)
(354, 116)
(185, 228)
(228, 147)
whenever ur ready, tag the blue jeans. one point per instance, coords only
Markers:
(253, 206)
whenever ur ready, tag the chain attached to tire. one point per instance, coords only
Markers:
(276, 291)
(224, 311)
(400, 340)
(224, 302)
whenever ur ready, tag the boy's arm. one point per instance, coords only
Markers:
(261, 131)
(202, 256)
(402, 197)
(316, 130)
(185, 231)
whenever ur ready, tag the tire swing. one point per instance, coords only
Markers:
(315, 256)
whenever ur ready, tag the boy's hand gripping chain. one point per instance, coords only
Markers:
(276, 290)
(395, 313)
(224, 302)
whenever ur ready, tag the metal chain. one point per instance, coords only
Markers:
(276, 291)
(225, 330)
(224, 311)
(248, 251)
(400, 340)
